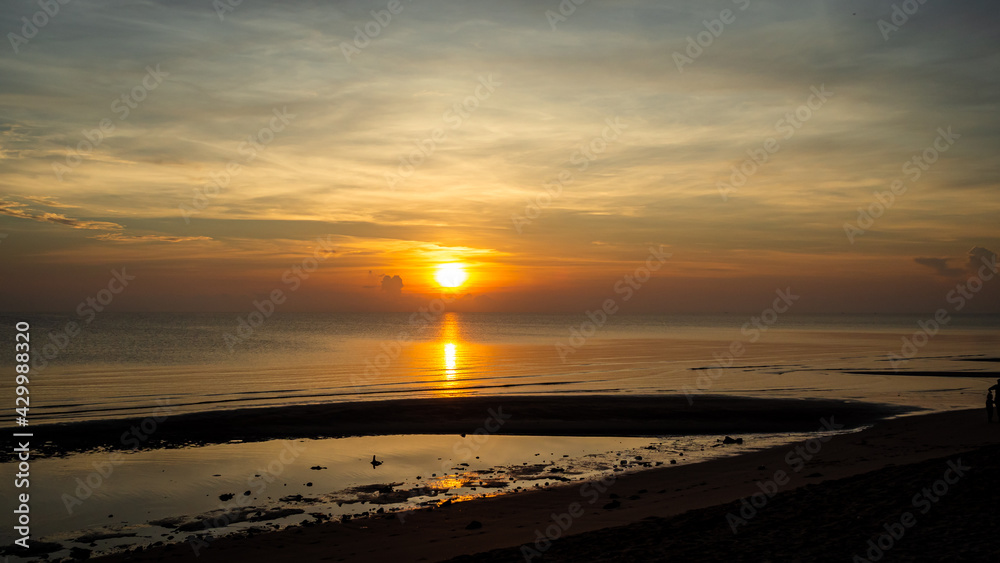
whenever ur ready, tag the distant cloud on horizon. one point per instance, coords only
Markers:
(939, 265)
(978, 256)
(975, 259)
(392, 285)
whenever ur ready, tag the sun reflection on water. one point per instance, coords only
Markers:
(451, 338)
(449, 360)
(450, 482)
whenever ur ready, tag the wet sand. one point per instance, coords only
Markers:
(583, 415)
(832, 521)
(858, 479)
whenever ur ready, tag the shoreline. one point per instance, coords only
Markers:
(513, 520)
(941, 509)
(585, 415)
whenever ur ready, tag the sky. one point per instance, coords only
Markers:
(205, 148)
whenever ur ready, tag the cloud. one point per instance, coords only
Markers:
(392, 285)
(119, 237)
(13, 209)
(975, 259)
(21, 211)
(76, 223)
(939, 265)
(657, 182)
(979, 256)
(48, 201)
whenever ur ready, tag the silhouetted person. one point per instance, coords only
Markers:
(375, 463)
(996, 388)
(990, 406)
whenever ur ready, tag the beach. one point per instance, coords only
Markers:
(476, 437)
(593, 415)
(667, 512)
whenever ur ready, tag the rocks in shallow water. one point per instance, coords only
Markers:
(221, 519)
(731, 440)
(474, 525)
(167, 522)
(92, 537)
(78, 553)
(612, 505)
(274, 514)
(226, 496)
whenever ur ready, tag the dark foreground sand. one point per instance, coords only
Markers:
(828, 510)
(831, 521)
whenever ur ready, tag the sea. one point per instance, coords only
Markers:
(130, 365)
(122, 365)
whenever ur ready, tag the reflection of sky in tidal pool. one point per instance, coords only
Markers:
(333, 476)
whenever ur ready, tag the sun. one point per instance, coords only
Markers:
(450, 275)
